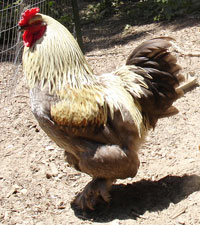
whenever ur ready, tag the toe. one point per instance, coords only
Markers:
(94, 191)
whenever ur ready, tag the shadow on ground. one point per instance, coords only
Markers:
(133, 200)
(107, 34)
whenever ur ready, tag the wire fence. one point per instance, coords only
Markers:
(10, 39)
(11, 45)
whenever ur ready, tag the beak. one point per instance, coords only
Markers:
(20, 29)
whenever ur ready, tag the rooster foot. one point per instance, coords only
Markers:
(94, 192)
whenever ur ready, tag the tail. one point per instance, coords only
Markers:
(160, 89)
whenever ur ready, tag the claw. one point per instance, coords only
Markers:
(105, 195)
(94, 191)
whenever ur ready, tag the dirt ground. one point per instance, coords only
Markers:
(37, 186)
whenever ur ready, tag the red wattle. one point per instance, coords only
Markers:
(27, 38)
(31, 35)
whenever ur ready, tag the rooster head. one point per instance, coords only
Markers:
(33, 26)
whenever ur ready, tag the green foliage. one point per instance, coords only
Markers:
(99, 9)
(169, 9)
(60, 12)
(141, 10)
(135, 11)
(160, 10)
(95, 12)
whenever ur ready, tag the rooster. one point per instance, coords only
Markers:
(100, 121)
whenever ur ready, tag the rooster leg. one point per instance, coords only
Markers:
(105, 165)
(93, 192)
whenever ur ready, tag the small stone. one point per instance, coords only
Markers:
(49, 148)
(115, 222)
(61, 205)
(181, 221)
(6, 215)
(14, 190)
(40, 223)
(9, 146)
(54, 170)
(24, 191)
(48, 175)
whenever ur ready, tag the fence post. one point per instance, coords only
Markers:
(77, 23)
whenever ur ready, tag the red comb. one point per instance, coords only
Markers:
(27, 15)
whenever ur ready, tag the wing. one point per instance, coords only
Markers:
(79, 108)
(90, 111)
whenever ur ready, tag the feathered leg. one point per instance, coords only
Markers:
(107, 164)
(93, 192)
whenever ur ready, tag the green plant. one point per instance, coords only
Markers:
(61, 13)
(169, 9)
(160, 10)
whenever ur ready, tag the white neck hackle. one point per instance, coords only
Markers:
(56, 60)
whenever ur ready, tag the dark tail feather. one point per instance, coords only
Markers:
(153, 56)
